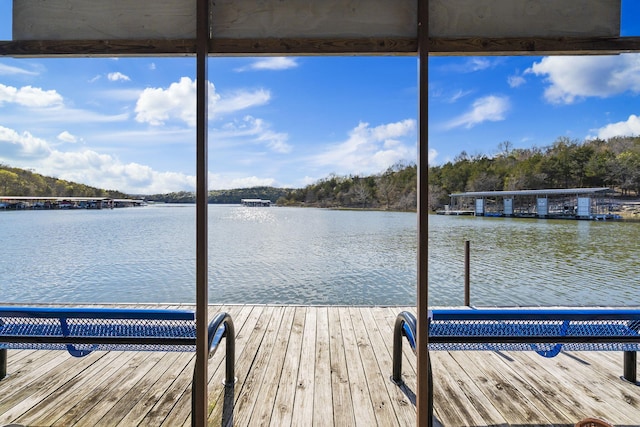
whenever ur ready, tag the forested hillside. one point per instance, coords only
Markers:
(393, 189)
(566, 163)
(21, 182)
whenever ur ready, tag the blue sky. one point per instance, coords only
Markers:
(129, 123)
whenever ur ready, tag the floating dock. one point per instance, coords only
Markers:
(320, 366)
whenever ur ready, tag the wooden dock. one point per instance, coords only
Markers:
(320, 366)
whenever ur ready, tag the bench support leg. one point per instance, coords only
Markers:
(630, 358)
(3, 363)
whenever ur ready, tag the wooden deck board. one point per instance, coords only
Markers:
(343, 414)
(315, 366)
(263, 408)
(283, 404)
(360, 396)
(322, 397)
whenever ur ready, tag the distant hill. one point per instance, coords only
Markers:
(22, 182)
(222, 196)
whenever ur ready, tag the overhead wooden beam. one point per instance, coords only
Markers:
(369, 46)
(466, 46)
(97, 48)
(477, 46)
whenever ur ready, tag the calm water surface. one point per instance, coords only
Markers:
(311, 256)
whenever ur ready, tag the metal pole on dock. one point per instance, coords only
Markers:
(200, 406)
(3, 363)
(630, 362)
(424, 393)
(467, 284)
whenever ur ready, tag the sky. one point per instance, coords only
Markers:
(128, 124)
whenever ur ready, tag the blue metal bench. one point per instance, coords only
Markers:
(81, 331)
(545, 331)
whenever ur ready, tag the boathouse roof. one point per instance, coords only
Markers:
(541, 192)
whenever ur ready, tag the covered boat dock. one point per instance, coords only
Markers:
(255, 203)
(51, 202)
(553, 203)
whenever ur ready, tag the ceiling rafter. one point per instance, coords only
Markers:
(467, 46)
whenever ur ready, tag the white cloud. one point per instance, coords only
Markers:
(573, 77)
(254, 130)
(23, 146)
(114, 77)
(470, 65)
(458, 95)
(29, 96)
(516, 81)
(67, 137)
(478, 64)
(630, 127)
(238, 101)
(7, 70)
(157, 106)
(60, 116)
(105, 171)
(489, 108)
(221, 182)
(433, 154)
(276, 63)
(370, 150)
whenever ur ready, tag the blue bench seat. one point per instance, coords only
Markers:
(545, 331)
(81, 331)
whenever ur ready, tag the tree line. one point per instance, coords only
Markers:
(222, 196)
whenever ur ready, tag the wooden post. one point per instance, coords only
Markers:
(467, 284)
(201, 405)
(424, 406)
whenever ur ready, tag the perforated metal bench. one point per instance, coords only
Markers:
(81, 331)
(545, 331)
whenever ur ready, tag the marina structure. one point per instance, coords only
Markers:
(42, 202)
(571, 203)
(255, 203)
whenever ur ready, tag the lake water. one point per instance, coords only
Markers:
(312, 256)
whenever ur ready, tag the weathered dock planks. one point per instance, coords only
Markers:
(321, 366)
